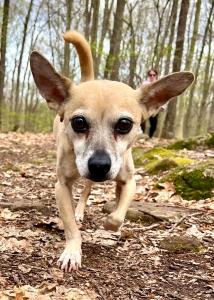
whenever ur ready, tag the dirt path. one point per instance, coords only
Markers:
(126, 265)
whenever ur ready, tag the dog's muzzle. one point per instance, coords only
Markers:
(99, 165)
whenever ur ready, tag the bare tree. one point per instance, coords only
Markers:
(189, 115)
(21, 55)
(171, 36)
(201, 126)
(94, 28)
(66, 69)
(105, 27)
(168, 130)
(157, 49)
(3, 54)
(113, 64)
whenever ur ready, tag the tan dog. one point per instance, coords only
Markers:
(96, 125)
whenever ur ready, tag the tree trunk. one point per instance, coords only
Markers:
(201, 126)
(159, 45)
(87, 15)
(3, 54)
(168, 130)
(113, 63)
(183, 102)
(50, 32)
(132, 50)
(189, 59)
(189, 115)
(21, 55)
(211, 119)
(171, 37)
(66, 68)
(106, 19)
(94, 29)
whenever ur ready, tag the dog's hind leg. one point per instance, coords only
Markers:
(79, 212)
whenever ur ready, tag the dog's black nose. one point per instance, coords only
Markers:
(99, 165)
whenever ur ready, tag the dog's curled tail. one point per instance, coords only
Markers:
(84, 53)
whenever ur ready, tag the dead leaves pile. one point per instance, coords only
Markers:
(27, 178)
(47, 292)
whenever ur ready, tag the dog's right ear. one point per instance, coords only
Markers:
(51, 85)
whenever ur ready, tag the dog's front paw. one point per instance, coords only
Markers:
(112, 222)
(79, 216)
(79, 212)
(69, 261)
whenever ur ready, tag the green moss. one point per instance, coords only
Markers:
(164, 165)
(37, 162)
(210, 141)
(159, 158)
(150, 158)
(159, 153)
(189, 144)
(193, 185)
(181, 244)
(183, 161)
(51, 154)
(9, 167)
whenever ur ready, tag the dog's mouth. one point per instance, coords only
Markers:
(97, 179)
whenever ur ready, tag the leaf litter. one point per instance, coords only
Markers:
(129, 264)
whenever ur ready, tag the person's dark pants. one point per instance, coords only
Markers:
(153, 125)
(143, 126)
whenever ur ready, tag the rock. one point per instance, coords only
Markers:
(195, 143)
(163, 165)
(193, 182)
(151, 212)
(24, 206)
(181, 244)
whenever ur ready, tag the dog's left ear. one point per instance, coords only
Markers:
(51, 85)
(156, 94)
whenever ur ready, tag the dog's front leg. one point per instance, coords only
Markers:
(71, 257)
(79, 212)
(127, 192)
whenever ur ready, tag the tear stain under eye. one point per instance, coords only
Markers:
(115, 135)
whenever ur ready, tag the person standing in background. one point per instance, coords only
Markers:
(152, 76)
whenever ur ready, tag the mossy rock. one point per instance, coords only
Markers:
(149, 158)
(137, 153)
(158, 156)
(181, 244)
(183, 144)
(192, 184)
(199, 142)
(210, 141)
(163, 165)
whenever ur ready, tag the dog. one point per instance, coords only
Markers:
(96, 125)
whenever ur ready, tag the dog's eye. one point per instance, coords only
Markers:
(124, 126)
(79, 124)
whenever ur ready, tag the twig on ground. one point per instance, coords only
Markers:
(198, 277)
(145, 228)
(99, 290)
(22, 277)
(183, 218)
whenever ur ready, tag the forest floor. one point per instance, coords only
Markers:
(129, 264)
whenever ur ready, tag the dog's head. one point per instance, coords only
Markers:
(101, 118)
